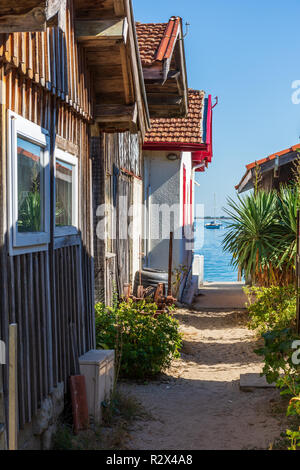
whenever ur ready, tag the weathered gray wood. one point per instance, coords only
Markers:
(4, 304)
(116, 114)
(51, 278)
(13, 387)
(38, 290)
(60, 373)
(32, 336)
(33, 20)
(26, 340)
(11, 280)
(70, 240)
(21, 358)
(50, 325)
(44, 324)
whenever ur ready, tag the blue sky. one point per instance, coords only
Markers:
(248, 54)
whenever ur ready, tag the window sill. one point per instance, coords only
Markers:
(24, 250)
(66, 240)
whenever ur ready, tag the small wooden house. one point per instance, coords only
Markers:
(174, 149)
(270, 172)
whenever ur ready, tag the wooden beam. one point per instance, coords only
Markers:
(27, 16)
(116, 113)
(125, 73)
(101, 31)
(35, 20)
(19, 7)
(119, 8)
(164, 99)
(94, 9)
(153, 75)
(157, 111)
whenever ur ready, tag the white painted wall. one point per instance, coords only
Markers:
(163, 184)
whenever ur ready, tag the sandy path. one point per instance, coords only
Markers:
(198, 404)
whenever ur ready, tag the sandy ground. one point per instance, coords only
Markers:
(198, 404)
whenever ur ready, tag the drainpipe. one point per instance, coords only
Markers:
(201, 165)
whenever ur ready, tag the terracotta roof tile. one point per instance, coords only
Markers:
(150, 36)
(186, 130)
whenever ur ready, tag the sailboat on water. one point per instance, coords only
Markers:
(214, 225)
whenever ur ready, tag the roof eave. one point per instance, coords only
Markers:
(182, 146)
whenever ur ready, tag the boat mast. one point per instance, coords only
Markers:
(215, 207)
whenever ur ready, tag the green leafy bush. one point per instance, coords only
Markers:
(281, 364)
(278, 354)
(271, 307)
(147, 342)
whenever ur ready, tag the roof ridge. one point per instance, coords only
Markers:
(272, 156)
(157, 40)
(168, 42)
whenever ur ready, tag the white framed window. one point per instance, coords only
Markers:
(66, 193)
(29, 185)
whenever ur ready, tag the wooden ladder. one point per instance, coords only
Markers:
(3, 440)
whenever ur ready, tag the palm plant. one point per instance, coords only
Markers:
(253, 236)
(30, 213)
(288, 204)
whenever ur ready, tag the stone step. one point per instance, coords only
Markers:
(252, 381)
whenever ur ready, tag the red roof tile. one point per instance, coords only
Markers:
(271, 157)
(185, 130)
(157, 40)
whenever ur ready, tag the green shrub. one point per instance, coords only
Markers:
(281, 366)
(148, 343)
(278, 356)
(271, 307)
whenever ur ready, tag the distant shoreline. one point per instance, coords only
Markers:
(213, 218)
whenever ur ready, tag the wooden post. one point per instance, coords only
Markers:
(298, 272)
(140, 289)
(13, 388)
(170, 264)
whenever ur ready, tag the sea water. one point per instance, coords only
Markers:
(217, 266)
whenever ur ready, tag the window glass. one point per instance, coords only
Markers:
(64, 194)
(29, 186)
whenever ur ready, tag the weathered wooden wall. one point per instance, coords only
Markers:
(286, 175)
(116, 162)
(50, 294)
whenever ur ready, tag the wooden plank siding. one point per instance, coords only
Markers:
(113, 256)
(44, 78)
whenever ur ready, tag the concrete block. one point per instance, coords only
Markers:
(190, 291)
(198, 269)
(250, 381)
(97, 366)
